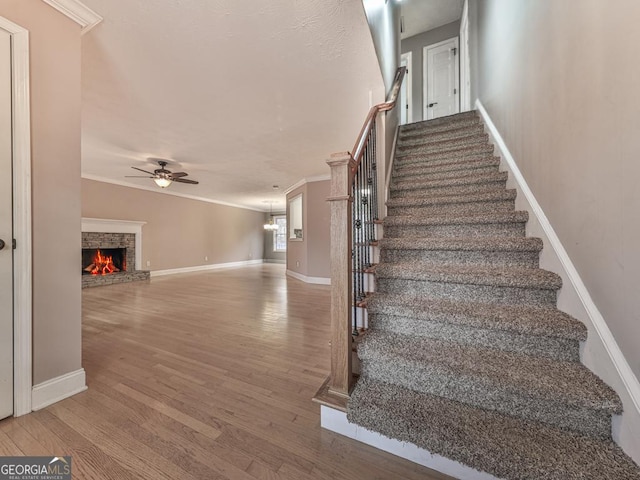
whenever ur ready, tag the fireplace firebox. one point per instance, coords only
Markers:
(103, 261)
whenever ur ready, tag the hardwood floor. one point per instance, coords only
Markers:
(203, 376)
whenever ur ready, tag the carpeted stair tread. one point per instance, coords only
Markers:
(504, 446)
(499, 244)
(472, 275)
(498, 194)
(408, 137)
(469, 179)
(524, 319)
(501, 217)
(480, 368)
(442, 162)
(443, 144)
(429, 175)
(424, 154)
(482, 162)
(447, 122)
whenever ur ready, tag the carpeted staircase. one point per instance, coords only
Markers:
(467, 355)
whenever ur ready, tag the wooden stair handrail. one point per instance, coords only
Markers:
(363, 137)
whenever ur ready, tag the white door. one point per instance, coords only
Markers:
(6, 231)
(441, 79)
(406, 106)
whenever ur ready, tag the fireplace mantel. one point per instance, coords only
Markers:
(105, 225)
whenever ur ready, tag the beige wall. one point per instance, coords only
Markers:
(180, 232)
(55, 162)
(318, 226)
(313, 251)
(560, 81)
(415, 45)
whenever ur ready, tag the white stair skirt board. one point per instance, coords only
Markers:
(336, 421)
(202, 268)
(600, 353)
(56, 389)
(305, 279)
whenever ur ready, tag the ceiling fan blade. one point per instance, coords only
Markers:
(184, 180)
(137, 176)
(136, 168)
(178, 174)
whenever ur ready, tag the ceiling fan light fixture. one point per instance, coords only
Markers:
(162, 182)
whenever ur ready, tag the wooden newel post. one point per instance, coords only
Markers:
(341, 290)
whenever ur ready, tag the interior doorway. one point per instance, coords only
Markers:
(6, 230)
(441, 78)
(15, 193)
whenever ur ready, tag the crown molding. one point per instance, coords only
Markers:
(163, 191)
(304, 181)
(78, 12)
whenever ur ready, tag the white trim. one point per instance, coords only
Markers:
(387, 186)
(465, 61)
(275, 260)
(202, 268)
(620, 377)
(78, 12)
(425, 77)
(299, 183)
(305, 279)
(166, 191)
(104, 225)
(22, 292)
(336, 421)
(409, 78)
(59, 388)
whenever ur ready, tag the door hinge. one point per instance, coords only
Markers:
(455, 90)
(13, 243)
(455, 51)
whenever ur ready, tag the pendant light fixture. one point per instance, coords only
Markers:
(271, 225)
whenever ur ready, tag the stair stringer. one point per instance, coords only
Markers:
(600, 353)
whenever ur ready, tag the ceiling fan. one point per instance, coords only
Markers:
(162, 176)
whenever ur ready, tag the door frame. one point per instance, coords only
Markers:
(425, 71)
(465, 63)
(22, 261)
(409, 79)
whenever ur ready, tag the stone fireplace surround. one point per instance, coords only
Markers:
(106, 233)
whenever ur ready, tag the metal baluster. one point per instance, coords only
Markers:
(354, 254)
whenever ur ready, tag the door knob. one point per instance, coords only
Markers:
(432, 104)
(1, 244)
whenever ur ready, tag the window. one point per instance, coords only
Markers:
(295, 218)
(280, 235)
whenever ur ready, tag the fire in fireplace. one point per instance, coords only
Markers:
(103, 261)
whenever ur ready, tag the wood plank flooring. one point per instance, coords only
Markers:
(203, 376)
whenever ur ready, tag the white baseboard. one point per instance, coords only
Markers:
(600, 353)
(304, 278)
(56, 389)
(201, 268)
(336, 421)
(275, 260)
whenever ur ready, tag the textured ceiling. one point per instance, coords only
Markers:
(242, 95)
(424, 15)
